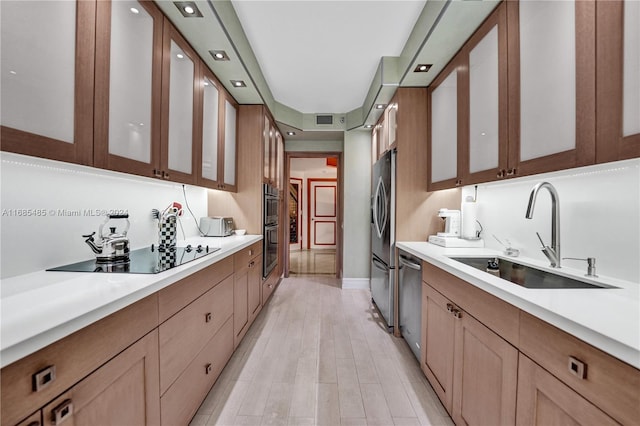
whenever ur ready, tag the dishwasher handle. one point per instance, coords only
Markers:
(405, 262)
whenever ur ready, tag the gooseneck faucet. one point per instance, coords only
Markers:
(553, 252)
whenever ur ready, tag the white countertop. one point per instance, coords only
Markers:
(40, 308)
(608, 319)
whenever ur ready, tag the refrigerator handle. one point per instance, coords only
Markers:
(380, 208)
(379, 264)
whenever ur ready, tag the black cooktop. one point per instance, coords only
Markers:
(148, 260)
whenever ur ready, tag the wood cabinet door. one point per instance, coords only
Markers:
(208, 137)
(240, 305)
(48, 52)
(180, 103)
(618, 68)
(552, 88)
(124, 391)
(255, 286)
(545, 401)
(438, 343)
(266, 148)
(447, 109)
(128, 83)
(485, 375)
(486, 57)
(227, 157)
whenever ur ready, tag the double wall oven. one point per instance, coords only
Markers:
(270, 231)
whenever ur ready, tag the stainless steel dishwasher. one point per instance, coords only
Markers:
(410, 299)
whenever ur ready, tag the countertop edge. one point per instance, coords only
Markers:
(33, 343)
(600, 341)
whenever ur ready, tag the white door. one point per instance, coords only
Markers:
(323, 194)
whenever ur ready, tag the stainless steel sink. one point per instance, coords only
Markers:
(527, 276)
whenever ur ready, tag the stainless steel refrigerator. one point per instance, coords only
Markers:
(383, 186)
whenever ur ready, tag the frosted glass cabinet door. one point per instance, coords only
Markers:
(631, 69)
(130, 81)
(47, 78)
(180, 110)
(230, 120)
(210, 100)
(444, 129)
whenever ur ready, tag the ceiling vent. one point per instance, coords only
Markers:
(324, 119)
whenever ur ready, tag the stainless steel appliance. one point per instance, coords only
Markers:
(383, 235)
(112, 247)
(150, 260)
(270, 230)
(410, 300)
(216, 226)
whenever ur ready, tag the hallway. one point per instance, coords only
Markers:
(312, 262)
(318, 355)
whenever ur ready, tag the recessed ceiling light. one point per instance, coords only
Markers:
(422, 68)
(180, 56)
(238, 83)
(380, 106)
(134, 10)
(188, 9)
(368, 126)
(219, 55)
(291, 133)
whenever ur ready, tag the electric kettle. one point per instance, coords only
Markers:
(110, 247)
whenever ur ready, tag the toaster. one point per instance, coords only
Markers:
(216, 226)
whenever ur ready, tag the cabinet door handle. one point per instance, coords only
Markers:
(456, 313)
(207, 317)
(500, 173)
(165, 175)
(62, 412)
(208, 368)
(44, 378)
(449, 307)
(157, 173)
(251, 264)
(577, 368)
(511, 172)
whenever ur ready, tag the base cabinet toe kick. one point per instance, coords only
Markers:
(491, 363)
(150, 363)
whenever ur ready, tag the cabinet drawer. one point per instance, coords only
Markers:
(268, 286)
(499, 316)
(178, 295)
(184, 334)
(181, 401)
(608, 383)
(73, 357)
(242, 258)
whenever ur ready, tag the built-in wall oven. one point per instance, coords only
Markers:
(270, 230)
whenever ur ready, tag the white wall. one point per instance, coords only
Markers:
(29, 184)
(313, 146)
(357, 190)
(599, 216)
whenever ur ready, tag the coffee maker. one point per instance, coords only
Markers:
(451, 223)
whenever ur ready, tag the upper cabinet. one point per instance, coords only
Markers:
(128, 87)
(519, 97)
(48, 114)
(272, 143)
(384, 132)
(180, 85)
(229, 145)
(618, 107)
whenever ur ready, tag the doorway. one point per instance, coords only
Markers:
(314, 210)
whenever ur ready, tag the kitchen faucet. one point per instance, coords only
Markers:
(553, 252)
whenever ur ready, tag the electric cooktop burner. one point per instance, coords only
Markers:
(150, 260)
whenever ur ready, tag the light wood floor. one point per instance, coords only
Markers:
(303, 262)
(318, 355)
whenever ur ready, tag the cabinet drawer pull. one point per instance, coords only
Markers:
(62, 412)
(207, 317)
(251, 252)
(270, 285)
(577, 368)
(208, 368)
(456, 313)
(44, 378)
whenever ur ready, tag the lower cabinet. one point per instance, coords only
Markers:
(180, 403)
(472, 369)
(124, 391)
(246, 289)
(545, 401)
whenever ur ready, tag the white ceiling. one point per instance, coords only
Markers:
(321, 56)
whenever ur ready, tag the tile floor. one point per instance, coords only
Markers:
(312, 262)
(319, 355)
